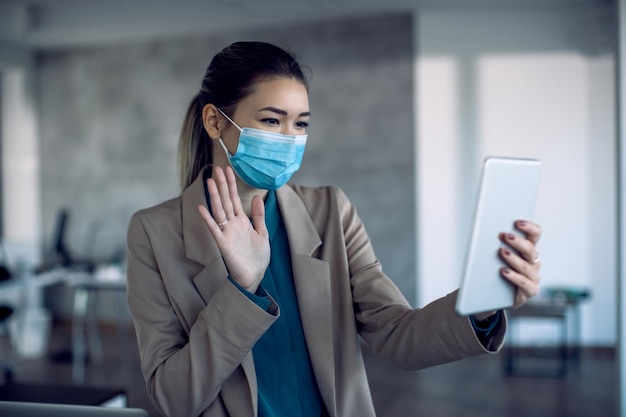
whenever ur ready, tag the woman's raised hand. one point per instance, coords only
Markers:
(244, 244)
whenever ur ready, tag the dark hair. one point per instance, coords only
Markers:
(230, 77)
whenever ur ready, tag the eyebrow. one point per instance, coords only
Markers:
(283, 112)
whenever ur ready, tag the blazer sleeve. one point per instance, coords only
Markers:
(185, 368)
(410, 338)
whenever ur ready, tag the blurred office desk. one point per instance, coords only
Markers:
(87, 286)
(29, 325)
(25, 288)
(559, 304)
(24, 292)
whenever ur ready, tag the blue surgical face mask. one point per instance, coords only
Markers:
(263, 159)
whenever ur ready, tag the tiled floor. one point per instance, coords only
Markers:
(473, 387)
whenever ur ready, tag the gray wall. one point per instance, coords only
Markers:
(110, 117)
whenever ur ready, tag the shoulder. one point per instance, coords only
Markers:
(162, 215)
(172, 210)
(161, 209)
(320, 196)
(323, 203)
(167, 209)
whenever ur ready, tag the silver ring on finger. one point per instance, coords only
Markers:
(222, 224)
(536, 259)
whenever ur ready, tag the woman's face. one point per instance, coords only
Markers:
(279, 105)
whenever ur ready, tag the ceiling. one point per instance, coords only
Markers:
(42, 24)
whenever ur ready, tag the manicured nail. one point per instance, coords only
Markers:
(521, 223)
(506, 271)
(506, 252)
(510, 236)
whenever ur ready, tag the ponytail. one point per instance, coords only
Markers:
(195, 147)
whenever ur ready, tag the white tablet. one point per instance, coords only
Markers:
(507, 192)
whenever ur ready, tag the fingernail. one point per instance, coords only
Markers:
(510, 236)
(521, 223)
(506, 271)
(506, 252)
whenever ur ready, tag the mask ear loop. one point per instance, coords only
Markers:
(230, 120)
(228, 155)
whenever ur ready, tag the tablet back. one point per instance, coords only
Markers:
(507, 192)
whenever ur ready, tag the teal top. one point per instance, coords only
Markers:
(286, 383)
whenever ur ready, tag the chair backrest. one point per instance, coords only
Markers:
(25, 409)
(5, 312)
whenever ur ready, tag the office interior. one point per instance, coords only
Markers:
(407, 97)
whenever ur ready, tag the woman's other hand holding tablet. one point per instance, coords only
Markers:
(522, 258)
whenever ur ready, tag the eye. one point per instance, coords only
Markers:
(302, 124)
(270, 121)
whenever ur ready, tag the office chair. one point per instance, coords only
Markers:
(59, 255)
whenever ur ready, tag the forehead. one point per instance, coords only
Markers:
(283, 93)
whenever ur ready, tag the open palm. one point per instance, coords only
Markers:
(244, 244)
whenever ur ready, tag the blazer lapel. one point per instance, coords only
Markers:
(200, 247)
(312, 282)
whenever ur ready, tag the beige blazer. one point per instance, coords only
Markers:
(196, 330)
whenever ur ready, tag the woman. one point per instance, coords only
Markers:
(251, 297)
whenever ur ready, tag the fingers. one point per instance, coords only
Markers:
(225, 202)
(213, 227)
(530, 229)
(221, 205)
(226, 193)
(522, 259)
(232, 188)
(524, 247)
(521, 273)
(258, 215)
(520, 265)
(526, 287)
